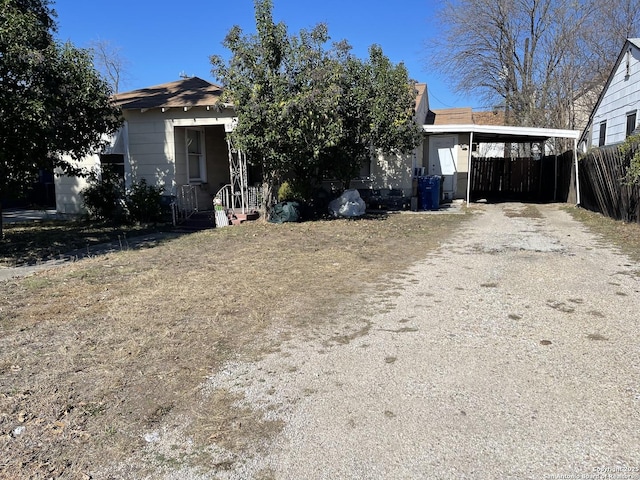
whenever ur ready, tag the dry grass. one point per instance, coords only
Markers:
(95, 354)
(625, 236)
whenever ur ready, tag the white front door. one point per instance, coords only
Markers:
(442, 161)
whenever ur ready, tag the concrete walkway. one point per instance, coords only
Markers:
(21, 215)
(17, 215)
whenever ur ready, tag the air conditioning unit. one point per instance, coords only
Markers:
(449, 185)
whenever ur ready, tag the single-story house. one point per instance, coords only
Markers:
(615, 115)
(175, 135)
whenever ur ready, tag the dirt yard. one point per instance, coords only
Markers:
(498, 344)
(98, 355)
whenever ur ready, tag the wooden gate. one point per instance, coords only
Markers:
(521, 179)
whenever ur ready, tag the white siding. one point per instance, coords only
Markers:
(68, 189)
(151, 152)
(156, 147)
(621, 97)
(151, 148)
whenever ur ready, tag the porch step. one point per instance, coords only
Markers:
(239, 218)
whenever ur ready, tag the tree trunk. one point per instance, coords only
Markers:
(268, 194)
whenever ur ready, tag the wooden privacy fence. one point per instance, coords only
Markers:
(547, 179)
(602, 187)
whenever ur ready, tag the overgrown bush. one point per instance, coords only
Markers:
(144, 202)
(285, 192)
(298, 191)
(631, 149)
(107, 199)
(104, 197)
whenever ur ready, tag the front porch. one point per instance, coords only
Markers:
(212, 177)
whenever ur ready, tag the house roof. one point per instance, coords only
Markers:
(493, 117)
(464, 115)
(630, 41)
(450, 116)
(188, 92)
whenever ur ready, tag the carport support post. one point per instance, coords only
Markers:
(575, 159)
(555, 169)
(469, 167)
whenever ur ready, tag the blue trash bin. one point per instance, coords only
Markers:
(429, 192)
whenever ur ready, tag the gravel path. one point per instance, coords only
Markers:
(511, 352)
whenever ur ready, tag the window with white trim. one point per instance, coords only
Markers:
(196, 159)
(602, 137)
(631, 122)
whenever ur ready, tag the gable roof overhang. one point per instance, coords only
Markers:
(186, 93)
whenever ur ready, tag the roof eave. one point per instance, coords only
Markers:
(503, 131)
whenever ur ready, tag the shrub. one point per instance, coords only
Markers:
(104, 197)
(294, 191)
(144, 202)
(631, 148)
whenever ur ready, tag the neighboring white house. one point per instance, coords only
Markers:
(615, 115)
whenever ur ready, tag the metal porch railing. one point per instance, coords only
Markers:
(239, 202)
(185, 203)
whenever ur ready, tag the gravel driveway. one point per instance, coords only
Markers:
(511, 352)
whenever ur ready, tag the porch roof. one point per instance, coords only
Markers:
(501, 133)
(185, 93)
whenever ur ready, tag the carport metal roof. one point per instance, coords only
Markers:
(507, 134)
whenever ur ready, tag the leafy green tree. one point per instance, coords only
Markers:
(52, 100)
(284, 95)
(308, 111)
(376, 107)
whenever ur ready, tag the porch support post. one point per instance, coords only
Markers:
(238, 177)
(232, 170)
(469, 167)
(575, 159)
(242, 159)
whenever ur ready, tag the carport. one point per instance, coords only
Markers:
(498, 134)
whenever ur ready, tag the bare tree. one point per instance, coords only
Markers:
(543, 61)
(110, 63)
